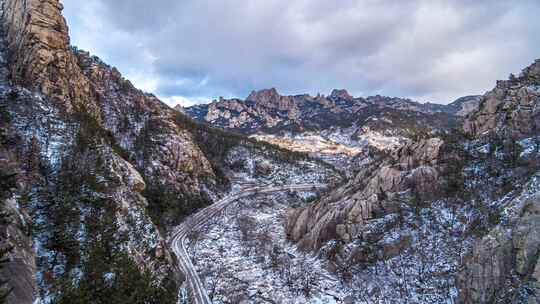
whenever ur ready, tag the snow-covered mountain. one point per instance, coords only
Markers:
(97, 172)
(432, 203)
(453, 213)
(336, 128)
(442, 206)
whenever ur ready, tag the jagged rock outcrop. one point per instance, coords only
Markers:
(147, 129)
(506, 259)
(40, 58)
(271, 99)
(337, 128)
(341, 94)
(39, 55)
(512, 108)
(82, 121)
(373, 193)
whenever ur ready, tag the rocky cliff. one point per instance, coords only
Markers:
(374, 192)
(103, 170)
(75, 181)
(39, 52)
(504, 265)
(487, 177)
(511, 108)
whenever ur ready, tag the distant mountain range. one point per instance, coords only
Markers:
(336, 128)
(267, 111)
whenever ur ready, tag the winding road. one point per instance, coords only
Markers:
(196, 221)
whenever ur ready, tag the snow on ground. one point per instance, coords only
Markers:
(38, 120)
(244, 256)
(309, 143)
(251, 166)
(336, 146)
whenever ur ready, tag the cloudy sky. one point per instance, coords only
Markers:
(192, 51)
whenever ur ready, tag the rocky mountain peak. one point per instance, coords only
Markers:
(264, 96)
(340, 94)
(270, 98)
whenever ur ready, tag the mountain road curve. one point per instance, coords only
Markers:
(178, 239)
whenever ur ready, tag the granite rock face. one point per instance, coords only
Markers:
(65, 104)
(343, 212)
(40, 56)
(147, 129)
(507, 257)
(511, 108)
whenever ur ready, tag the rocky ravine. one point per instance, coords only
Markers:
(504, 264)
(491, 175)
(94, 172)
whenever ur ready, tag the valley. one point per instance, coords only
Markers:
(110, 195)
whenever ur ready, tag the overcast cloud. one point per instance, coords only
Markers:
(196, 50)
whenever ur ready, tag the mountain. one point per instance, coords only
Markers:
(447, 193)
(337, 128)
(511, 108)
(267, 111)
(100, 172)
(472, 196)
(432, 204)
(444, 196)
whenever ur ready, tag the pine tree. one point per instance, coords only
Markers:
(4, 252)
(33, 157)
(7, 182)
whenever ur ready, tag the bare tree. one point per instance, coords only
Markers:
(275, 257)
(264, 241)
(285, 271)
(247, 227)
(307, 279)
(214, 282)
